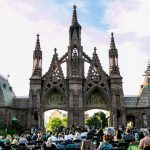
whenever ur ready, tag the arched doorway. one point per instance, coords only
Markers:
(54, 99)
(130, 121)
(55, 120)
(101, 117)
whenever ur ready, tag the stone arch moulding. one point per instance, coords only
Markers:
(97, 98)
(54, 98)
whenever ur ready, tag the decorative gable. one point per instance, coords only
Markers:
(54, 77)
(96, 75)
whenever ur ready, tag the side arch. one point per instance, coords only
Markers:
(97, 98)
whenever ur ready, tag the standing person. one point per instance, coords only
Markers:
(145, 142)
(105, 144)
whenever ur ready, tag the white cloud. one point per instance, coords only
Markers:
(129, 16)
(129, 20)
(18, 30)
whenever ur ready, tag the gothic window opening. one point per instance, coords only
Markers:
(95, 76)
(75, 53)
(111, 62)
(75, 61)
(55, 77)
(34, 63)
(116, 61)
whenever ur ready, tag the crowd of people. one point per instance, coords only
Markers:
(79, 138)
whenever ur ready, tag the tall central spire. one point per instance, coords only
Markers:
(75, 30)
(74, 16)
(75, 64)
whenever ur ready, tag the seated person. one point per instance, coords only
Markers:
(105, 144)
(128, 137)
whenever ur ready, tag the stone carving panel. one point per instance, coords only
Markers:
(95, 100)
(55, 99)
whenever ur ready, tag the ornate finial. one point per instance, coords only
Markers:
(147, 72)
(74, 7)
(74, 16)
(37, 36)
(112, 35)
(112, 43)
(94, 49)
(37, 46)
(55, 50)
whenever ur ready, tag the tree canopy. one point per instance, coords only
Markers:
(98, 120)
(55, 123)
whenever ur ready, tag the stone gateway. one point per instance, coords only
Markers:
(75, 93)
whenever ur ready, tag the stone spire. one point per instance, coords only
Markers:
(75, 30)
(147, 75)
(147, 72)
(37, 59)
(37, 46)
(112, 43)
(74, 16)
(113, 57)
(75, 65)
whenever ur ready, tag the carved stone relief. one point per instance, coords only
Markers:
(55, 99)
(96, 99)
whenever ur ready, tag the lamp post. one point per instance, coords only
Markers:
(101, 123)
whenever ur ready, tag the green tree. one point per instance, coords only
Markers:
(64, 121)
(98, 120)
(53, 124)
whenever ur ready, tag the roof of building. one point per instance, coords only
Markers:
(21, 102)
(6, 92)
(131, 100)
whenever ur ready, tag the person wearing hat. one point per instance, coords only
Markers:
(145, 142)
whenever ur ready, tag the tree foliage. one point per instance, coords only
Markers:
(97, 120)
(64, 121)
(53, 124)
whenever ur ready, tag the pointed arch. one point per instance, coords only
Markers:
(97, 97)
(54, 98)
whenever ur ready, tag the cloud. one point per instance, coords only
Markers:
(18, 30)
(128, 20)
(129, 16)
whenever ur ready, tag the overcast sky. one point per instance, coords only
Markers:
(21, 20)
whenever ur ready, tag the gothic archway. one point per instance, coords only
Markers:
(130, 120)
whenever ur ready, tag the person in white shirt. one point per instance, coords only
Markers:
(23, 140)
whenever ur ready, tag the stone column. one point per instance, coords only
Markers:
(75, 108)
